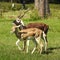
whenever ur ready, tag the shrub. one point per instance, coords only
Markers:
(34, 15)
(8, 6)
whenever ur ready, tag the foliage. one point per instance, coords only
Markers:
(54, 1)
(29, 1)
(8, 6)
(34, 15)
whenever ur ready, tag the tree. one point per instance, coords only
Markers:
(47, 12)
(43, 7)
(36, 4)
(11, 1)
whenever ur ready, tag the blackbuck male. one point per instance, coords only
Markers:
(41, 26)
(26, 34)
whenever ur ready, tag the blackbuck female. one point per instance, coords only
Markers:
(26, 34)
(42, 26)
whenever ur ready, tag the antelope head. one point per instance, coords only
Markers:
(14, 27)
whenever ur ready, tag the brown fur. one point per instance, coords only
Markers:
(42, 26)
(31, 32)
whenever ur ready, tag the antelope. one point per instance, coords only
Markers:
(41, 26)
(26, 34)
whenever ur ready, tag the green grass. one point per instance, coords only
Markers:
(9, 50)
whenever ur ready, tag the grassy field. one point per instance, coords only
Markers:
(9, 51)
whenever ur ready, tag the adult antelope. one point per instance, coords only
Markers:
(41, 26)
(26, 34)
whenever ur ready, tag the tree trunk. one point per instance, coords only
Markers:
(47, 7)
(11, 1)
(41, 8)
(36, 4)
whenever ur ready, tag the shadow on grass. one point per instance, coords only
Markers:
(53, 48)
(49, 50)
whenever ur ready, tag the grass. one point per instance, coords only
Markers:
(9, 51)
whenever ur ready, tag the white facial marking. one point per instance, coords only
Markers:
(18, 26)
(17, 20)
